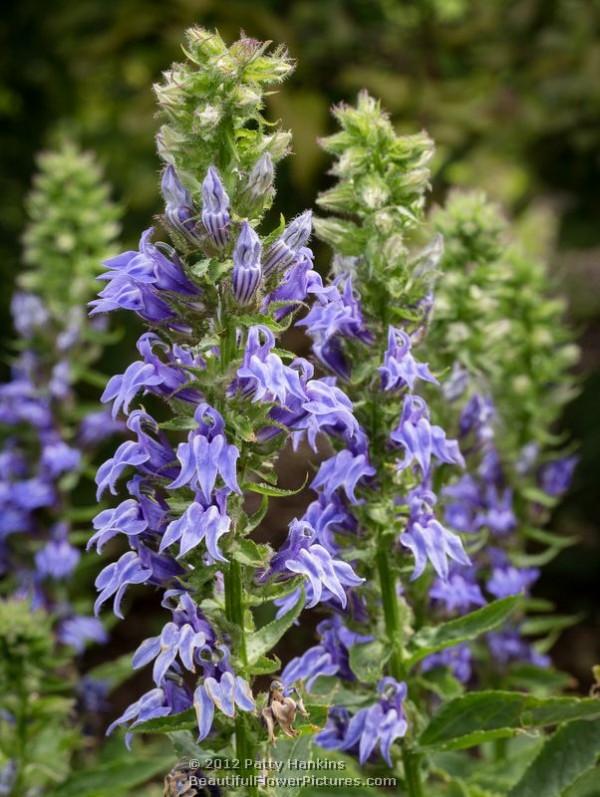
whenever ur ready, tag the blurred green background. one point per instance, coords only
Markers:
(509, 89)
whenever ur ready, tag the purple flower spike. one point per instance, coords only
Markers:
(285, 249)
(77, 631)
(246, 265)
(215, 208)
(400, 369)
(179, 208)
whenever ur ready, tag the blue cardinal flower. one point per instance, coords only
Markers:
(198, 523)
(207, 455)
(296, 283)
(226, 694)
(400, 369)
(246, 265)
(459, 593)
(264, 376)
(329, 658)
(77, 631)
(336, 314)
(375, 727)
(304, 555)
(506, 579)
(343, 471)
(286, 248)
(555, 477)
(427, 539)
(421, 440)
(215, 208)
(153, 375)
(127, 518)
(458, 659)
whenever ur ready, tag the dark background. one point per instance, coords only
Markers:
(509, 90)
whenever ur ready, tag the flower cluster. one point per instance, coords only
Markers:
(46, 443)
(215, 301)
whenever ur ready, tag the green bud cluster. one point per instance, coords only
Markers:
(495, 314)
(213, 105)
(73, 226)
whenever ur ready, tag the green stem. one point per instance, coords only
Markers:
(412, 773)
(391, 611)
(234, 611)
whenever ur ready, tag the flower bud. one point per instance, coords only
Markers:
(179, 208)
(215, 207)
(260, 179)
(246, 264)
(286, 247)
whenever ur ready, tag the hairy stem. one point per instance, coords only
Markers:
(391, 611)
(234, 610)
(412, 773)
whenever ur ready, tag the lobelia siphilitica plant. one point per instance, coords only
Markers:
(214, 397)
(365, 325)
(226, 397)
(48, 440)
(509, 383)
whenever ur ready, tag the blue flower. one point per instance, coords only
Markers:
(246, 265)
(330, 657)
(58, 457)
(303, 555)
(420, 439)
(337, 314)
(207, 455)
(370, 728)
(555, 477)
(400, 369)
(459, 592)
(183, 641)
(57, 559)
(427, 539)
(342, 471)
(28, 313)
(127, 518)
(77, 631)
(226, 694)
(263, 375)
(196, 524)
(458, 659)
(215, 208)
(509, 580)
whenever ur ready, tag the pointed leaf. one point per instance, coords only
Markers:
(262, 641)
(470, 626)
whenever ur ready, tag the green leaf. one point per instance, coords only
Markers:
(265, 666)
(273, 590)
(430, 640)
(586, 786)
(367, 661)
(260, 642)
(566, 756)
(441, 682)
(183, 721)
(290, 752)
(270, 490)
(113, 673)
(250, 553)
(257, 518)
(479, 717)
(548, 538)
(115, 776)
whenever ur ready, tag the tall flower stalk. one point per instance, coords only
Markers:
(48, 440)
(215, 302)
